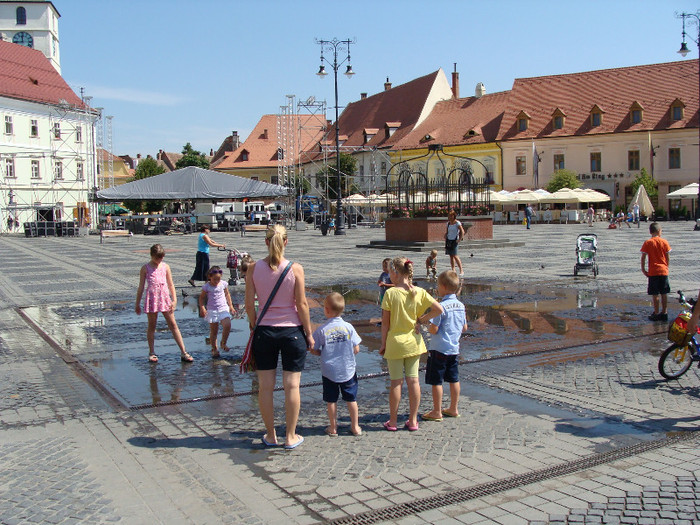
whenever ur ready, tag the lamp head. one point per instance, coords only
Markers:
(322, 71)
(349, 72)
(683, 50)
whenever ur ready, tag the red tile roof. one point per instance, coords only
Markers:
(399, 106)
(468, 120)
(262, 147)
(26, 74)
(654, 87)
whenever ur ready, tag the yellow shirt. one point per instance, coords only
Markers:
(402, 340)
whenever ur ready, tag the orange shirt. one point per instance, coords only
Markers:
(657, 250)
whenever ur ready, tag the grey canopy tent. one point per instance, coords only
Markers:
(192, 183)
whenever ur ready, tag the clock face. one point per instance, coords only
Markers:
(24, 39)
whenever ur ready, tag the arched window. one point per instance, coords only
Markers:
(21, 16)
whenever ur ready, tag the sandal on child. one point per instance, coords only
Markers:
(445, 413)
(388, 426)
(225, 348)
(330, 433)
(186, 358)
(215, 354)
(152, 358)
(427, 417)
(411, 428)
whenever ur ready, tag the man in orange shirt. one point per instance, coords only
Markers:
(657, 250)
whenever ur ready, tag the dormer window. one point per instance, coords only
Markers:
(677, 110)
(558, 117)
(391, 127)
(368, 134)
(244, 155)
(636, 113)
(523, 121)
(342, 139)
(596, 116)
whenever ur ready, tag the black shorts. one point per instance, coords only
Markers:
(441, 367)
(348, 389)
(270, 341)
(658, 284)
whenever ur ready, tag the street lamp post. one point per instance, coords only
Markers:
(683, 51)
(334, 45)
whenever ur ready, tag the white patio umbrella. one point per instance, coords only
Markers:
(499, 197)
(564, 195)
(525, 196)
(591, 195)
(356, 199)
(384, 199)
(686, 192)
(641, 198)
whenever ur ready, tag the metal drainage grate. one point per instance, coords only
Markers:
(460, 496)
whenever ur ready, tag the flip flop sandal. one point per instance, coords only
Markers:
(295, 445)
(152, 358)
(388, 426)
(186, 358)
(268, 443)
(411, 428)
(329, 433)
(426, 417)
(215, 355)
(447, 414)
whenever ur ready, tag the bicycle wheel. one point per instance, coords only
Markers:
(675, 361)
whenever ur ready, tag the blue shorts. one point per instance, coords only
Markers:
(441, 367)
(658, 284)
(270, 341)
(348, 389)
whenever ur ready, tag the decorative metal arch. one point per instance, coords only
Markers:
(455, 188)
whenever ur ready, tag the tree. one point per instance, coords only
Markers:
(192, 157)
(645, 179)
(348, 165)
(563, 179)
(147, 167)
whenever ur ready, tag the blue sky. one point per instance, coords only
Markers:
(179, 71)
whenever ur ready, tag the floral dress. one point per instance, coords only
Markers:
(157, 294)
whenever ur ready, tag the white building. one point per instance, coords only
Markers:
(47, 141)
(34, 24)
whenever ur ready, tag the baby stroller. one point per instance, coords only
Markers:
(586, 248)
(233, 263)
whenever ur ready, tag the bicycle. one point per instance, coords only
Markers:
(677, 359)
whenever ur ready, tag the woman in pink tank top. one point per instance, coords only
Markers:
(284, 330)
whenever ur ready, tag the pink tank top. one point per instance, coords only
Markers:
(283, 309)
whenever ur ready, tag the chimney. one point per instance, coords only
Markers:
(211, 152)
(387, 84)
(363, 96)
(264, 135)
(455, 82)
(480, 90)
(235, 141)
(138, 155)
(160, 154)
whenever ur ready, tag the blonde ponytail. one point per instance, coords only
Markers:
(276, 235)
(403, 266)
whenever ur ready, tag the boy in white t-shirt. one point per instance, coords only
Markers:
(337, 343)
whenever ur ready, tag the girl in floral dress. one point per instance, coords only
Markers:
(160, 297)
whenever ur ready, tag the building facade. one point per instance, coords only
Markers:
(47, 141)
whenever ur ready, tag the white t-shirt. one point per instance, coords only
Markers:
(336, 340)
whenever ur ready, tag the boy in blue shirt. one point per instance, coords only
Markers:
(443, 354)
(337, 343)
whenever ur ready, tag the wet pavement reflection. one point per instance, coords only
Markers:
(110, 339)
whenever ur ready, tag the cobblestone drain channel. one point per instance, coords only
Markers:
(486, 489)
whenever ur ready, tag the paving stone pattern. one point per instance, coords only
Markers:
(70, 457)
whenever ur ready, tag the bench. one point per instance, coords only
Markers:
(252, 228)
(114, 233)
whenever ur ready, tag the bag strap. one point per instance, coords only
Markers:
(263, 310)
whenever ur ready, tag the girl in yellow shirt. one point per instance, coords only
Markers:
(402, 343)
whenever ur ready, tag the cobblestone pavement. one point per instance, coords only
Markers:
(587, 433)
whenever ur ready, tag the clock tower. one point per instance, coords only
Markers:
(34, 24)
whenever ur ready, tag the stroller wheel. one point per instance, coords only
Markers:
(595, 270)
(575, 271)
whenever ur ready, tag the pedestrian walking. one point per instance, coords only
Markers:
(453, 236)
(202, 258)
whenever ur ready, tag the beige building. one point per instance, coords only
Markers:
(606, 126)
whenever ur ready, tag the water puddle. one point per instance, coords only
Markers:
(110, 339)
